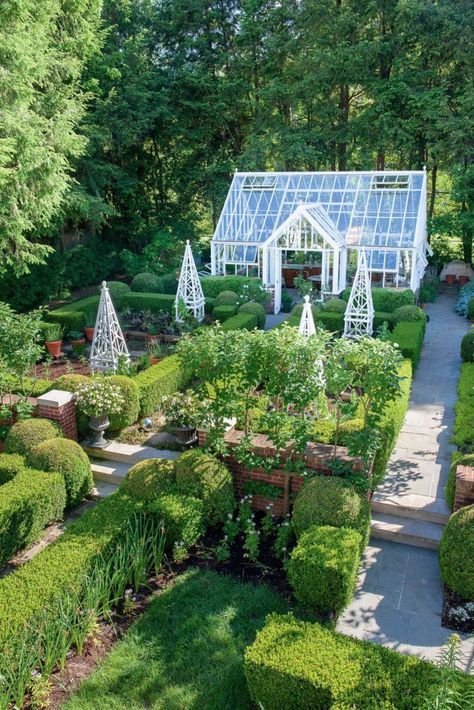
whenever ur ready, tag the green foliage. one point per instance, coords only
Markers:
(20, 337)
(10, 465)
(464, 409)
(167, 377)
(28, 502)
(380, 318)
(170, 282)
(154, 302)
(322, 568)
(387, 299)
(182, 519)
(71, 315)
(286, 301)
(130, 410)
(335, 305)
(257, 309)
(457, 459)
(223, 313)
(328, 500)
(227, 298)
(333, 322)
(70, 460)
(323, 669)
(117, 290)
(242, 321)
(391, 423)
(427, 293)
(323, 431)
(470, 309)
(209, 305)
(467, 347)
(24, 436)
(457, 553)
(409, 338)
(203, 476)
(409, 313)
(149, 479)
(248, 288)
(147, 283)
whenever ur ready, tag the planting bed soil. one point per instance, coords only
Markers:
(64, 366)
(458, 614)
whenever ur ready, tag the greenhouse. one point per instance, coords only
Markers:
(279, 225)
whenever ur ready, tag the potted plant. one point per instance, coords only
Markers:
(99, 399)
(182, 412)
(450, 279)
(78, 341)
(53, 335)
(89, 324)
(156, 352)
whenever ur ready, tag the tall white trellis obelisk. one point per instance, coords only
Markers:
(307, 326)
(359, 315)
(108, 343)
(189, 288)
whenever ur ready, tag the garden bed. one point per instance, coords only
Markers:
(457, 614)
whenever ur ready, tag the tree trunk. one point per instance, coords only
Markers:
(434, 176)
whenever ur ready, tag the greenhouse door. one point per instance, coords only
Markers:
(278, 279)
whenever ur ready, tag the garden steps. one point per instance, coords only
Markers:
(109, 472)
(397, 528)
(102, 489)
(410, 505)
(129, 453)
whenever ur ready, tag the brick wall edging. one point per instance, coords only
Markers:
(464, 487)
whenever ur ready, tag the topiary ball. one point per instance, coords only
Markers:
(457, 553)
(227, 298)
(257, 309)
(335, 305)
(408, 313)
(69, 459)
(10, 465)
(467, 347)
(327, 500)
(147, 283)
(131, 408)
(149, 479)
(24, 436)
(203, 476)
(117, 291)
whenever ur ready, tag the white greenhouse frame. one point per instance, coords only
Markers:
(334, 213)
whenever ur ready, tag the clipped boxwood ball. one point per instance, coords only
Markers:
(117, 290)
(131, 407)
(457, 553)
(408, 313)
(149, 479)
(147, 283)
(69, 459)
(467, 347)
(227, 298)
(257, 309)
(24, 436)
(328, 500)
(203, 476)
(335, 305)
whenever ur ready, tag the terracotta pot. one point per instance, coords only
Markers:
(78, 346)
(54, 348)
(463, 280)
(155, 360)
(450, 279)
(89, 333)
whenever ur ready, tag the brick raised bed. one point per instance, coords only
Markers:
(464, 487)
(317, 458)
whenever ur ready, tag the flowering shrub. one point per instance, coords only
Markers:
(99, 398)
(181, 410)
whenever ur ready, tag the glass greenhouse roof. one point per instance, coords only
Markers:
(372, 209)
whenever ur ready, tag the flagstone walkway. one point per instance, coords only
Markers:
(399, 596)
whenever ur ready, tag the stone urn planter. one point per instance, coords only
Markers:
(186, 435)
(98, 426)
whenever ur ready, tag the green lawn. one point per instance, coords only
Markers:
(186, 651)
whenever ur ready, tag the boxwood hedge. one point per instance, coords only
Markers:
(71, 315)
(167, 377)
(464, 410)
(202, 475)
(28, 502)
(242, 321)
(25, 435)
(387, 299)
(154, 302)
(409, 338)
(10, 465)
(457, 553)
(224, 312)
(70, 460)
(323, 568)
(182, 519)
(298, 664)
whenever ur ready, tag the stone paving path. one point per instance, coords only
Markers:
(399, 596)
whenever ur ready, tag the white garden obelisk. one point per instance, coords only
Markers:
(307, 326)
(108, 343)
(359, 315)
(189, 288)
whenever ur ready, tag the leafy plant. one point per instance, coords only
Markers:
(99, 397)
(182, 409)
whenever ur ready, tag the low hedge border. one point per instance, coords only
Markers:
(456, 554)
(162, 379)
(10, 465)
(71, 315)
(28, 502)
(409, 335)
(242, 321)
(154, 302)
(224, 312)
(387, 299)
(295, 663)
(464, 410)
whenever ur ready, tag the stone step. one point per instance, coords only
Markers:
(110, 471)
(432, 510)
(129, 453)
(404, 530)
(102, 490)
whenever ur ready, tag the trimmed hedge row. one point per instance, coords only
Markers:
(10, 465)
(28, 502)
(154, 302)
(157, 381)
(409, 337)
(213, 285)
(456, 554)
(71, 315)
(224, 312)
(464, 410)
(257, 309)
(242, 321)
(387, 299)
(295, 663)
(391, 424)
(25, 435)
(323, 568)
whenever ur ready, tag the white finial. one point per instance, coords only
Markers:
(306, 298)
(189, 288)
(108, 343)
(307, 326)
(104, 284)
(359, 315)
